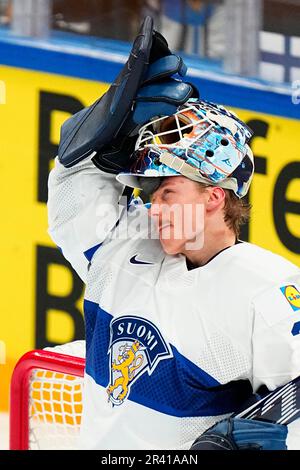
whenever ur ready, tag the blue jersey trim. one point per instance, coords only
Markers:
(91, 251)
(176, 387)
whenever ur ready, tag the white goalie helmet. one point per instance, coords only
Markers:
(202, 141)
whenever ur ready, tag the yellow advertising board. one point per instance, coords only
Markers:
(34, 276)
(275, 191)
(41, 296)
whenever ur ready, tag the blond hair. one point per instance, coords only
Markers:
(236, 210)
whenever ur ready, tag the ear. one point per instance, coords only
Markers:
(216, 198)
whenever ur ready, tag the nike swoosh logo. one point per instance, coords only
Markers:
(133, 260)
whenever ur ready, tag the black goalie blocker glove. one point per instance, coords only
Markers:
(242, 434)
(107, 129)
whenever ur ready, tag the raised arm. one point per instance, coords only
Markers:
(82, 210)
(97, 142)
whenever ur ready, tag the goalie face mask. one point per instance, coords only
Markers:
(202, 141)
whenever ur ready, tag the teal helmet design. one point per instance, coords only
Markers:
(202, 141)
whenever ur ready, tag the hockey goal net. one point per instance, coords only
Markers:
(46, 400)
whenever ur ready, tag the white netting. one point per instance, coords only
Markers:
(55, 408)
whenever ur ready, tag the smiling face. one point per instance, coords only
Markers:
(178, 208)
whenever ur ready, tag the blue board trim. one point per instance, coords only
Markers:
(101, 60)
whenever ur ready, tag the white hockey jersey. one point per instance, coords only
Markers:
(168, 351)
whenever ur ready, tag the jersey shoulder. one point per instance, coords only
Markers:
(264, 263)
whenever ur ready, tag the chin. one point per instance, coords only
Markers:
(171, 248)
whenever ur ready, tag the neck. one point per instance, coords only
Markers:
(213, 244)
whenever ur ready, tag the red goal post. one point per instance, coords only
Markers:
(46, 400)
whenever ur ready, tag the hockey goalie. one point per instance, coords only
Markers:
(186, 325)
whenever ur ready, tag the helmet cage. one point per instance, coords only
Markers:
(202, 141)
